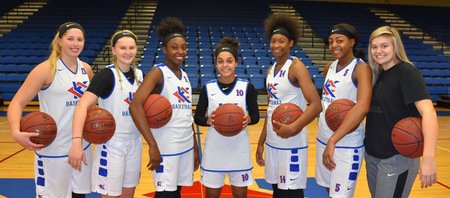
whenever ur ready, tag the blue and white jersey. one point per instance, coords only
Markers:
(221, 153)
(339, 84)
(118, 103)
(280, 91)
(59, 100)
(176, 136)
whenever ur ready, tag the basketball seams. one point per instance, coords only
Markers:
(407, 137)
(409, 133)
(99, 127)
(31, 118)
(289, 112)
(221, 120)
(158, 110)
(163, 111)
(34, 121)
(152, 101)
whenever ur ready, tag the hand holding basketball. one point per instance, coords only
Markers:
(246, 120)
(42, 124)
(283, 116)
(211, 118)
(228, 119)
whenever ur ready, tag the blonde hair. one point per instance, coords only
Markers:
(55, 54)
(399, 49)
(114, 57)
(54, 46)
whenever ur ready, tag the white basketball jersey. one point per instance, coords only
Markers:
(177, 135)
(118, 103)
(281, 91)
(59, 100)
(223, 153)
(340, 84)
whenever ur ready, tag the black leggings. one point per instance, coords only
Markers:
(280, 193)
(75, 195)
(169, 194)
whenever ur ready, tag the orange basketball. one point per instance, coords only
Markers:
(407, 137)
(336, 112)
(286, 113)
(99, 126)
(158, 110)
(42, 123)
(228, 119)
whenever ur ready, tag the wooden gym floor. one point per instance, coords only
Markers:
(15, 162)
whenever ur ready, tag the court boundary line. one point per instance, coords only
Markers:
(9, 156)
(442, 184)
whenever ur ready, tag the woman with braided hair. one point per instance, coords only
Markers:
(116, 163)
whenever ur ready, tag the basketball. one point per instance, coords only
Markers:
(42, 123)
(336, 112)
(407, 137)
(99, 126)
(158, 111)
(286, 113)
(228, 119)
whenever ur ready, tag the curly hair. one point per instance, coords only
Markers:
(170, 25)
(282, 21)
(228, 42)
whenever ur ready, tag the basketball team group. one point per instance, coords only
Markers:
(383, 91)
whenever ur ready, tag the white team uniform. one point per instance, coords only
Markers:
(59, 100)
(286, 158)
(226, 154)
(117, 163)
(175, 139)
(349, 150)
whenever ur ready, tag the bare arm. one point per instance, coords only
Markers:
(76, 153)
(362, 75)
(428, 175)
(151, 80)
(38, 78)
(298, 74)
(260, 146)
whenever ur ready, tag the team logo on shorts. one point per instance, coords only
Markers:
(78, 89)
(272, 90)
(183, 94)
(329, 87)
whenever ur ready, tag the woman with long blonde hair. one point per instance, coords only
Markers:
(59, 83)
(399, 92)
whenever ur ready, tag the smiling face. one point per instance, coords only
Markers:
(226, 64)
(71, 43)
(175, 51)
(125, 50)
(383, 51)
(280, 45)
(340, 45)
